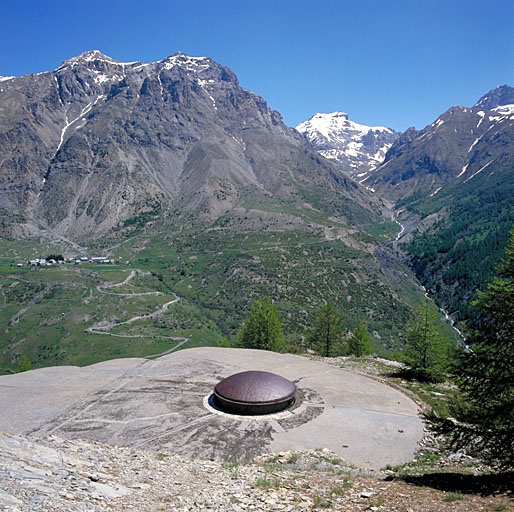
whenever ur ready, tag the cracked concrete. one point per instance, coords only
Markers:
(159, 405)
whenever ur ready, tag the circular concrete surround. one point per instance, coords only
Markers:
(163, 404)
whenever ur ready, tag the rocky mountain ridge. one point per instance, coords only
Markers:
(358, 148)
(460, 144)
(98, 142)
(500, 96)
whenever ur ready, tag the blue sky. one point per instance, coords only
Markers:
(397, 63)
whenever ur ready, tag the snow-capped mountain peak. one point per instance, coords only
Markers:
(95, 59)
(330, 124)
(358, 147)
(187, 62)
(89, 56)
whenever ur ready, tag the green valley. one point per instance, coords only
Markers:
(172, 290)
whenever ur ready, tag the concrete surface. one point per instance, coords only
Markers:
(159, 405)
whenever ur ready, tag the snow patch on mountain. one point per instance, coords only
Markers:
(504, 109)
(187, 62)
(479, 170)
(356, 146)
(93, 58)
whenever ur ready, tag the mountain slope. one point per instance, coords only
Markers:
(502, 95)
(456, 179)
(98, 142)
(201, 194)
(358, 148)
(459, 145)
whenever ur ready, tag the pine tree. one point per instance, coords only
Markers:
(327, 335)
(263, 327)
(483, 411)
(224, 342)
(24, 364)
(425, 350)
(359, 343)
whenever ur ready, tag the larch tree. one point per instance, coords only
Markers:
(262, 329)
(24, 364)
(483, 410)
(327, 335)
(426, 352)
(359, 343)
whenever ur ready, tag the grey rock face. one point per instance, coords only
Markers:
(97, 142)
(502, 95)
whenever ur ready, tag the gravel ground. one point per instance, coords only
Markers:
(52, 474)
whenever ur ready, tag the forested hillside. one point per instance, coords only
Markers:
(457, 255)
(455, 180)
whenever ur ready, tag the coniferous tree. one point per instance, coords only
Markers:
(426, 353)
(359, 343)
(483, 411)
(263, 327)
(224, 342)
(24, 364)
(327, 335)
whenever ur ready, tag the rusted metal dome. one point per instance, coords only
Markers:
(254, 392)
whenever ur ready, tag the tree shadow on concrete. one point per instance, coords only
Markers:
(410, 374)
(484, 485)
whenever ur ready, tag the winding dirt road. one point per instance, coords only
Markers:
(105, 326)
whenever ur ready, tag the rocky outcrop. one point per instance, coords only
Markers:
(500, 96)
